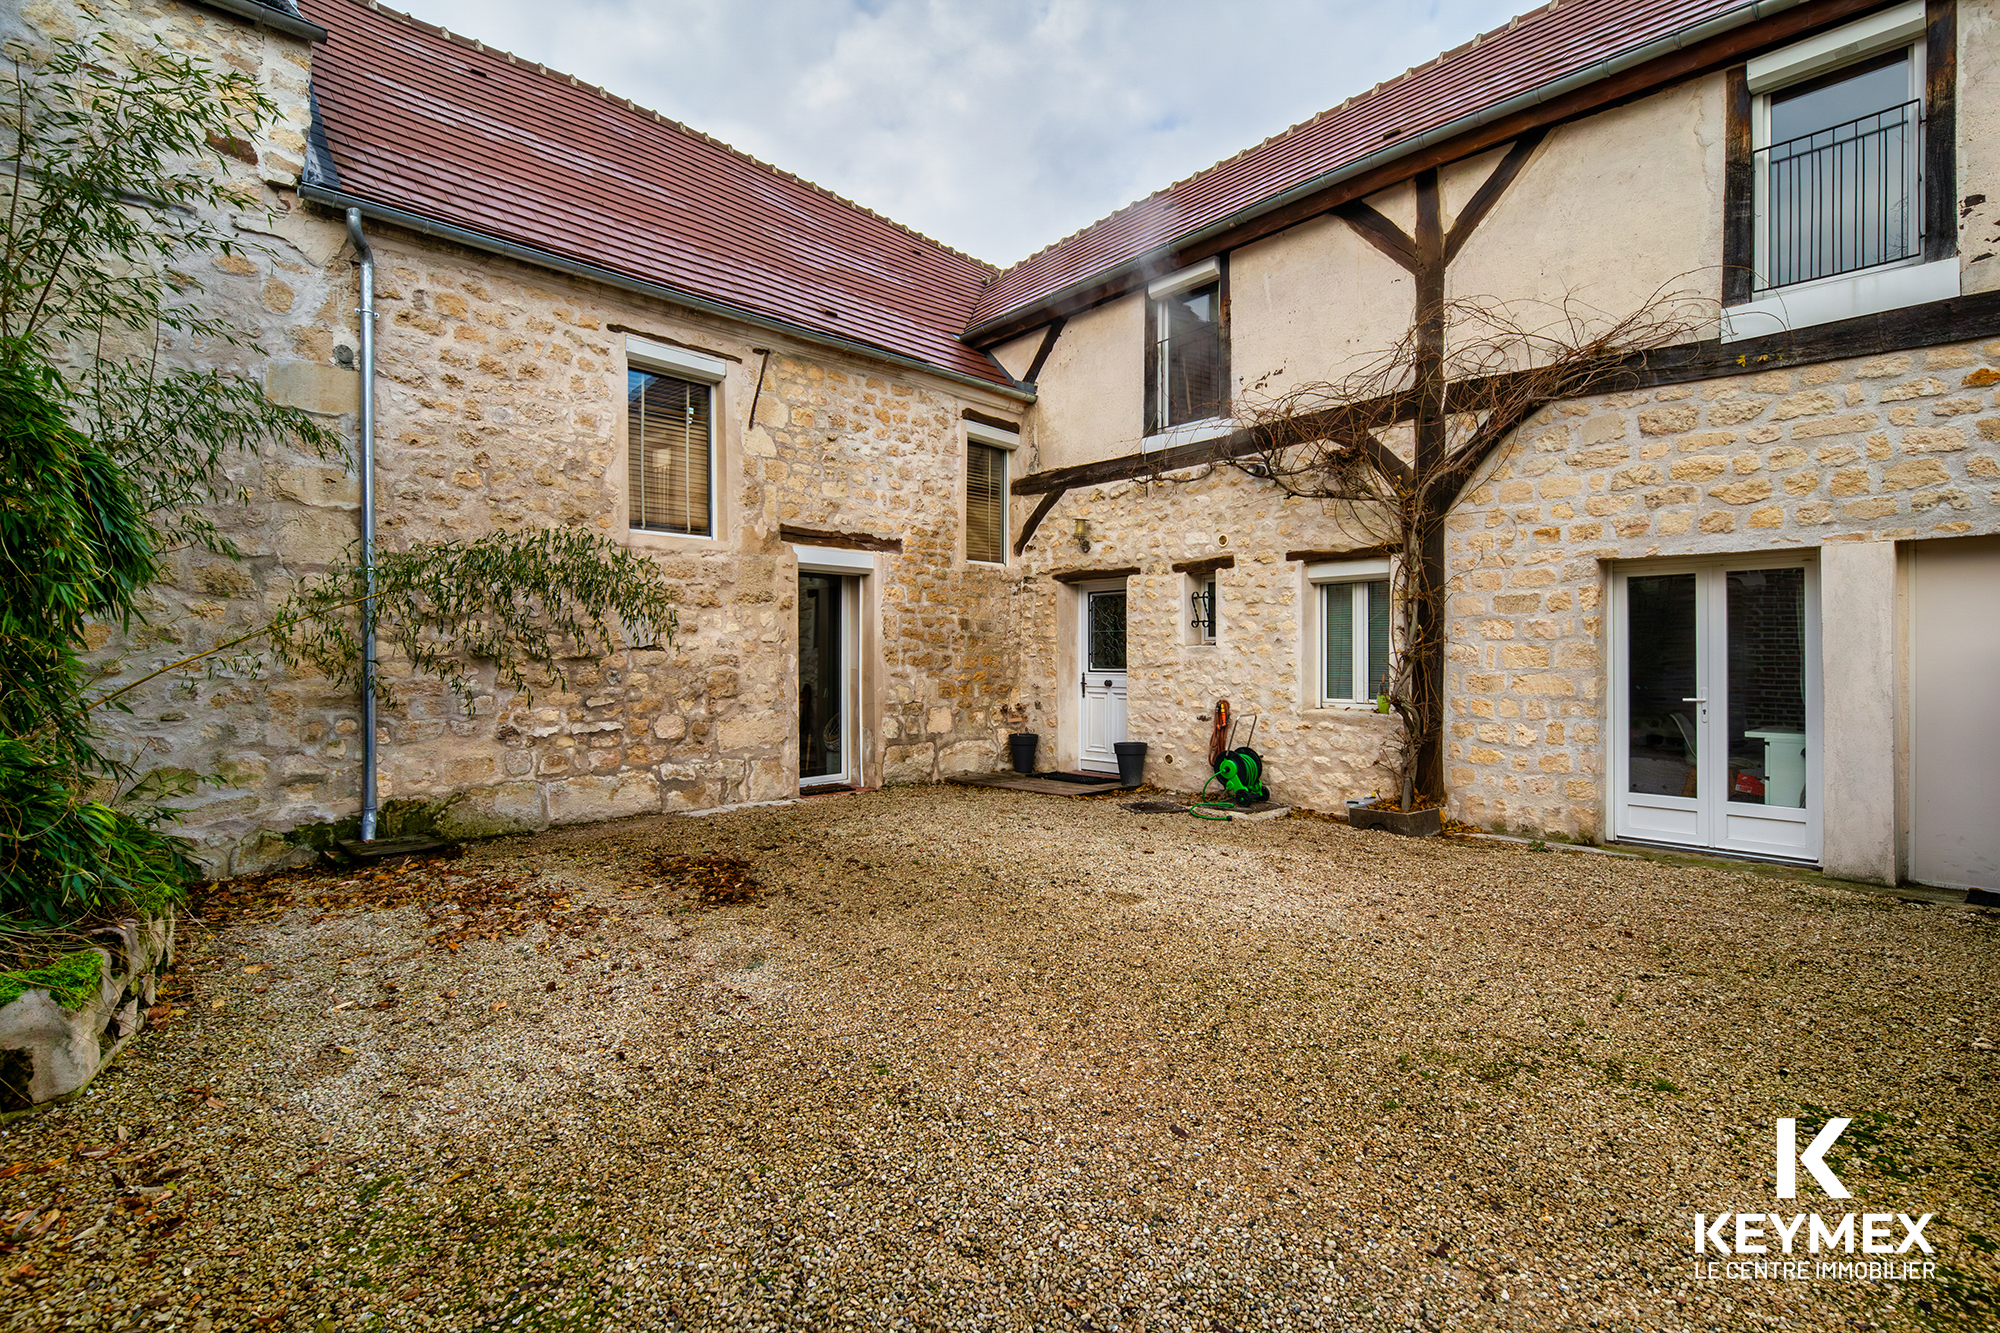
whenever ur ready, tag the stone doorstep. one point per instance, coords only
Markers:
(65, 1050)
(1039, 786)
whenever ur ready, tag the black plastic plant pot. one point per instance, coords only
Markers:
(1023, 744)
(1131, 763)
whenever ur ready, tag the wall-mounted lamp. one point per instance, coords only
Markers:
(1083, 535)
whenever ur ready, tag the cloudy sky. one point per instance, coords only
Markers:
(996, 126)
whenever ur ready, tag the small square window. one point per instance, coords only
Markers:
(1202, 608)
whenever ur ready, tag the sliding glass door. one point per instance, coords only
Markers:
(1715, 705)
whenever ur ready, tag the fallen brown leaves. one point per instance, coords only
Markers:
(461, 900)
(716, 880)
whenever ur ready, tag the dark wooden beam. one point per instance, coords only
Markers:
(1739, 190)
(1048, 345)
(1381, 233)
(1940, 130)
(1959, 319)
(1092, 575)
(1041, 512)
(1490, 190)
(1655, 76)
(1207, 566)
(1356, 553)
(843, 541)
(988, 419)
(1354, 420)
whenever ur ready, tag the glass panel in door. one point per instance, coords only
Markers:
(822, 737)
(1662, 708)
(1107, 631)
(1766, 738)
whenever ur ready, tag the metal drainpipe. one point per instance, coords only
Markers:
(367, 313)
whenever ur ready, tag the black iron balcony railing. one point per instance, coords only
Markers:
(1844, 198)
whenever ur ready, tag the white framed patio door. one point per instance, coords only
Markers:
(1102, 681)
(1715, 696)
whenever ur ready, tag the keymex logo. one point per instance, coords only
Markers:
(1768, 1238)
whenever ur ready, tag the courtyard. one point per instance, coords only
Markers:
(940, 1058)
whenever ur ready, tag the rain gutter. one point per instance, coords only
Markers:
(1596, 72)
(340, 199)
(276, 19)
(367, 316)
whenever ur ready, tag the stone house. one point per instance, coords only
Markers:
(1746, 602)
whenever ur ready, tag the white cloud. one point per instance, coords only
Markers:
(996, 127)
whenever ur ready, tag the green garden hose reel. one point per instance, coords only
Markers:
(1241, 773)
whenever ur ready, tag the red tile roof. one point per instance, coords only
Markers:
(436, 125)
(1535, 49)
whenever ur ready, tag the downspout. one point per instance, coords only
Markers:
(367, 314)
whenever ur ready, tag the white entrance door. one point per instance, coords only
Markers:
(1955, 712)
(1715, 705)
(1103, 677)
(829, 671)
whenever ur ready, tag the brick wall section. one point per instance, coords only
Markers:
(1890, 448)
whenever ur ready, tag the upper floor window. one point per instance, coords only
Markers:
(1839, 158)
(1187, 365)
(1840, 192)
(670, 439)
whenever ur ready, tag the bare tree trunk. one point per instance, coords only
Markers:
(1426, 588)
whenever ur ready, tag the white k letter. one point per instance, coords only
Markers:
(1813, 1158)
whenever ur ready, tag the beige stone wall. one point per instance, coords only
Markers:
(1893, 448)
(501, 392)
(1610, 211)
(281, 63)
(1978, 113)
(1318, 757)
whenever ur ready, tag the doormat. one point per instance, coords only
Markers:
(1081, 779)
(1155, 807)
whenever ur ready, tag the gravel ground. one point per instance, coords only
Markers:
(975, 1059)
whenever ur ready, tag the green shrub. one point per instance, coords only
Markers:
(66, 858)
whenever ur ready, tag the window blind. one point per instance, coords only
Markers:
(1339, 603)
(1356, 617)
(668, 453)
(986, 504)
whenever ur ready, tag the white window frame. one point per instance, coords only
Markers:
(1348, 575)
(978, 432)
(1891, 286)
(1196, 637)
(682, 363)
(1188, 432)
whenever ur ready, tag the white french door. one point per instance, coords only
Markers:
(1715, 728)
(1102, 681)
